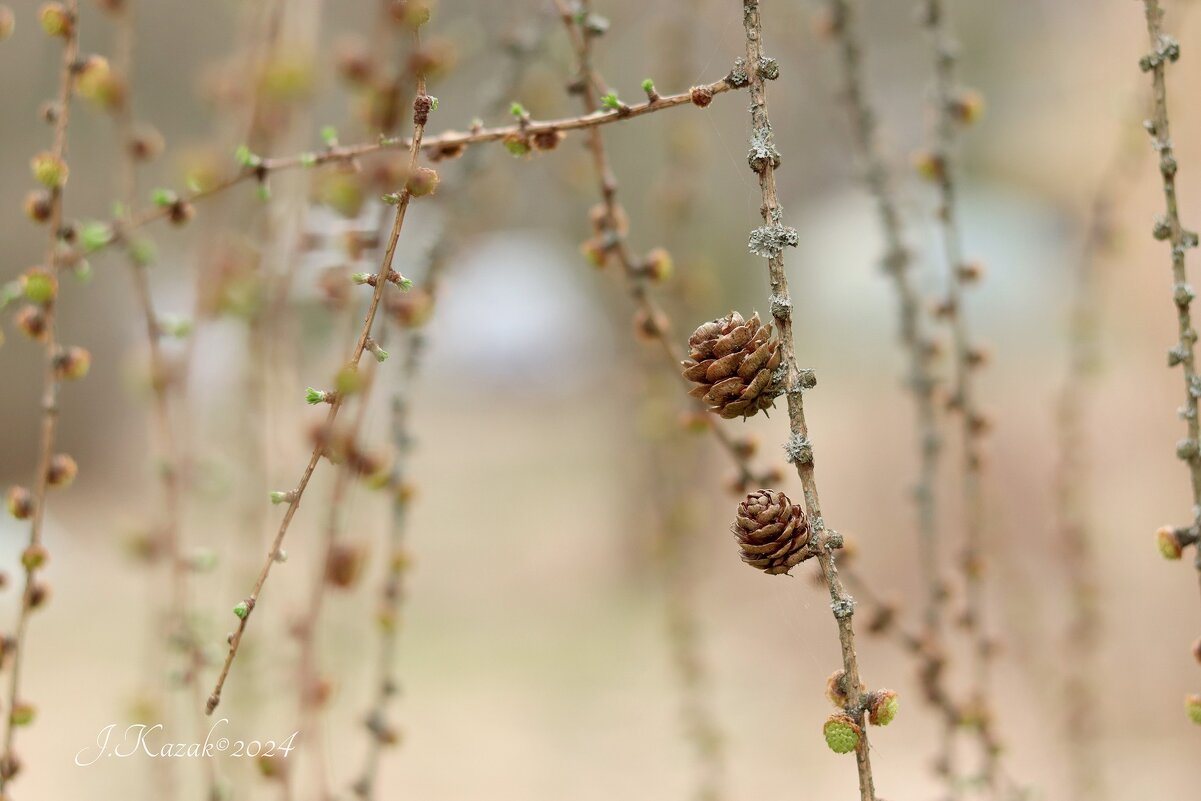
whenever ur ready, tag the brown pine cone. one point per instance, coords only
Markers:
(772, 532)
(734, 362)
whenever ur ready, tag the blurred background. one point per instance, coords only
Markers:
(560, 510)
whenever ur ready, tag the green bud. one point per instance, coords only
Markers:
(143, 252)
(315, 396)
(882, 707)
(842, 734)
(242, 610)
(246, 158)
(94, 235)
(22, 714)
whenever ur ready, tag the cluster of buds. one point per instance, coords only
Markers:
(842, 729)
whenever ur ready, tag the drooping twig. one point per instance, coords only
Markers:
(920, 350)
(380, 732)
(1164, 51)
(652, 320)
(422, 106)
(1075, 526)
(672, 461)
(179, 628)
(951, 107)
(51, 170)
(915, 338)
(770, 241)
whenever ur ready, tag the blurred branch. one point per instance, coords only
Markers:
(244, 610)
(922, 382)
(50, 168)
(180, 632)
(522, 137)
(380, 732)
(954, 106)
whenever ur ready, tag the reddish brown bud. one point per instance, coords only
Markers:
(62, 470)
(19, 501)
(181, 212)
(433, 59)
(73, 363)
(967, 107)
(422, 106)
(423, 181)
(971, 272)
(701, 96)
(31, 321)
(838, 691)
(344, 564)
(658, 265)
(39, 595)
(930, 166)
(411, 309)
(450, 150)
(650, 325)
(38, 205)
(547, 140)
(353, 60)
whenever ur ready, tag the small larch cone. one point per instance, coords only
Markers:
(772, 532)
(735, 364)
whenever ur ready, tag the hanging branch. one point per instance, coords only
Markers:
(422, 106)
(954, 106)
(40, 287)
(769, 241)
(1164, 51)
(415, 317)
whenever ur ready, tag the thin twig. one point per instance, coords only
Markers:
(380, 732)
(674, 495)
(1165, 50)
(967, 358)
(1075, 525)
(422, 105)
(179, 628)
(449, 140)
(921, 382)
(655, 324)
(771, 242)
(9, 764)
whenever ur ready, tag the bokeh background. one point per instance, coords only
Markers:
(534, 656)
